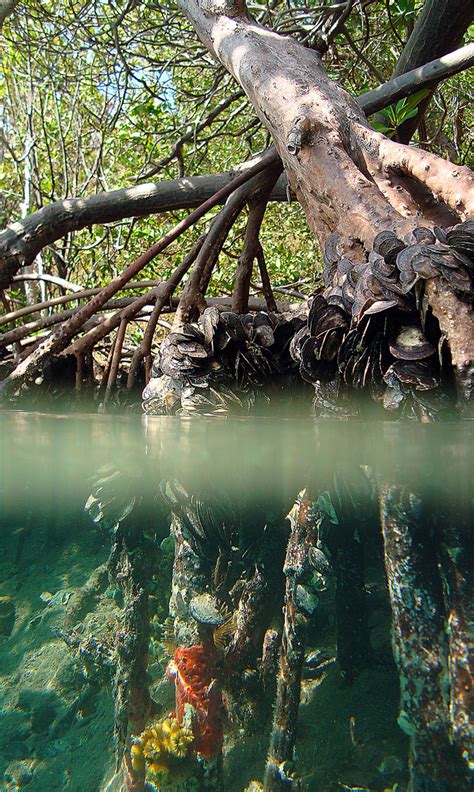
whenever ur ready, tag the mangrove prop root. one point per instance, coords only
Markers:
(303, 536)
(251, 247)
(131, 697)
(144, 350)
(457, 567)
(58, 340)
(252, 604)
(419, 641)
(266, 284)
(192, 576)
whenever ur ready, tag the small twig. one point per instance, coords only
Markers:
(65, 298)
(43, 276)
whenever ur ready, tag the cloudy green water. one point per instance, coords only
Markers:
(49, 547)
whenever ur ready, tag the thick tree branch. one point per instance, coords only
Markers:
(423, 76)
(23, 240)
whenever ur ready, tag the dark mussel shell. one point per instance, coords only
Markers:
(333, 250)
(208, 322)
(458, 278)
(411, 344)
(264, 336)
(420, 374)
(232, 324)
(297, 342)
(388, 245)
(420, 235)
(192, 349)
(329, 273)
(461, 238)
(334, 297)
(419, 259)
(378, 306)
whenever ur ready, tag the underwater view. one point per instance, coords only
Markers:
(238, 604)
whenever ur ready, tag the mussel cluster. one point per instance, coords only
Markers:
(221, 363)
(368, 331)
(394, 267)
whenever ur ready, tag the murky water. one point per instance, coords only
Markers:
(57, 711)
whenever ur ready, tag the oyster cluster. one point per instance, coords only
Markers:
(394, 267)
(219, 364)
(368, 331)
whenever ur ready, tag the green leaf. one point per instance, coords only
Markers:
(408, 114)
(415, 99)
(379, 127)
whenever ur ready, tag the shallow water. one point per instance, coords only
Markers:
(56, 727)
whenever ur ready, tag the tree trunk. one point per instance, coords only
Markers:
(349, 179)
